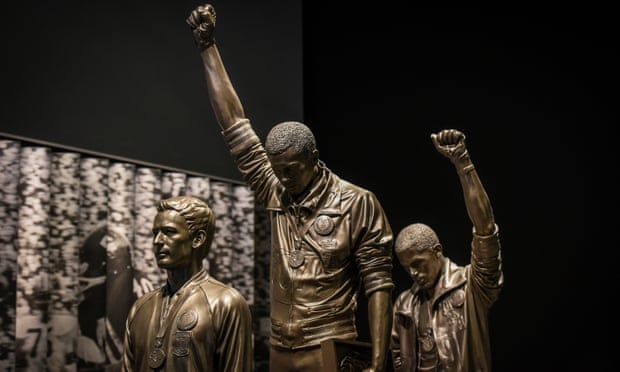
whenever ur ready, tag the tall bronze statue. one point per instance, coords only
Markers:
(328, 235)
(194, 323)
(441, 322)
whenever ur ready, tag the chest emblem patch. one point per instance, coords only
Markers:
(323, 225)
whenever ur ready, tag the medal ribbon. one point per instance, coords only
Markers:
(296, 257)
(157, 355)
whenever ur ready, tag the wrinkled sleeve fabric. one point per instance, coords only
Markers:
(251, 159)
(486, 266)
(374, 252)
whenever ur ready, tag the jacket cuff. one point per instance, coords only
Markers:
(240, 136)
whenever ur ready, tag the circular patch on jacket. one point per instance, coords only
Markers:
(187, 320)
(458, 298)
(323, 225)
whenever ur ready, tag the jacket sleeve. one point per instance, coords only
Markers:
(233, 327)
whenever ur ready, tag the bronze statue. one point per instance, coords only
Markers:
(193, 323)
(328, 235)
(441, 322)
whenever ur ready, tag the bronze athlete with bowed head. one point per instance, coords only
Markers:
(194, 323)
(441, 322)
(327, 235)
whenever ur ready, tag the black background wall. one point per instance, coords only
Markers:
(533, 89)
(124, 77)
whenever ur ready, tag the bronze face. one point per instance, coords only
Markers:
(295, 170)
(172, 243)
(423, 266)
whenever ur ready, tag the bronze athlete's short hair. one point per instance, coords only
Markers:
(197, 215)
(290, 134)
(417, 236)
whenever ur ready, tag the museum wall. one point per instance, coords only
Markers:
(125, 78)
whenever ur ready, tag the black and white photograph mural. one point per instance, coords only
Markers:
(76, 250)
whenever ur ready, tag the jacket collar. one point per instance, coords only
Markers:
(319, 191)
(452, 276)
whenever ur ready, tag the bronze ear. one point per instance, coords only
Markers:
(437, 249)
(199, 239)
(315, 156)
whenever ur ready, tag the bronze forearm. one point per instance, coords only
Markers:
(380, 321)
